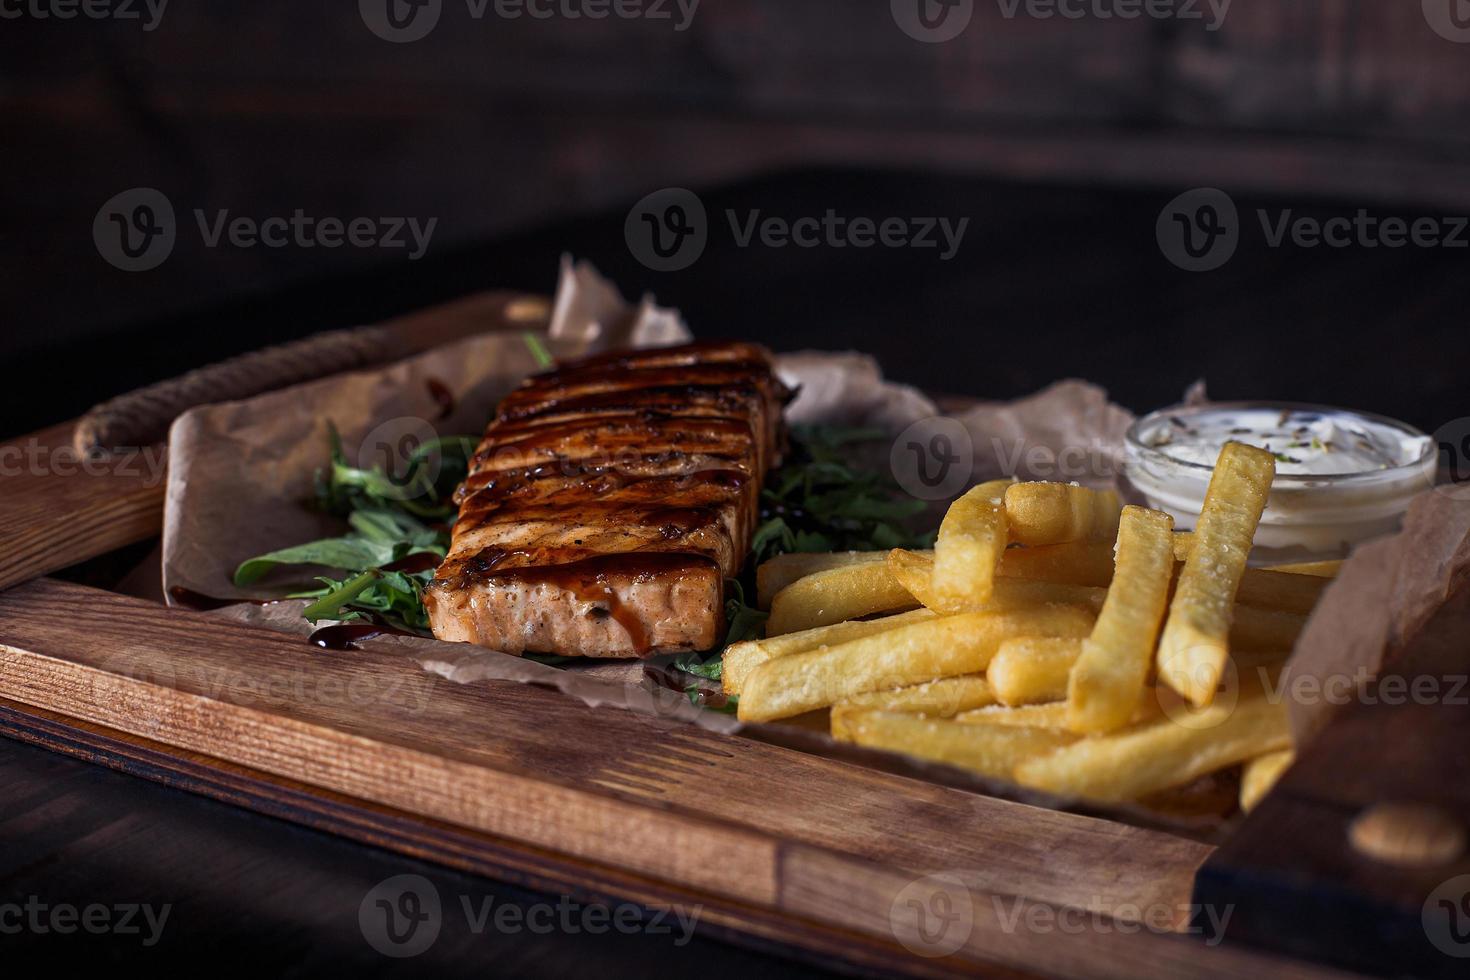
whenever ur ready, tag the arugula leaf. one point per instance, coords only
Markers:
(386, 519)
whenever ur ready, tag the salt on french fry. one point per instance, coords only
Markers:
(837, 595)
(1107, 681)
(743, 657)
(1052, 513)
(1195, 641)
(971, 541)
(1032, 669)
(1053, 715)
(942, 698)
(1149, 758)
(991, 750)
(902, 657)
(775, 574)
(1260, 774)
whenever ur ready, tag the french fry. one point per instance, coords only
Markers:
(836, 595)
(743, 657)
(914, 572)
(1320, 569)
(1052, 513)
(1260, 774)
(902, 657)
(942, 698)
(1195, 641)
(1071, 563)
(1053, 715)
(1032, 669)
(1141, 761)
(1108, 680)
(1091, 563)
(972, 539)
(992, 750)
(777, 573)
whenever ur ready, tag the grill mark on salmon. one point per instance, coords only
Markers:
(608, 501)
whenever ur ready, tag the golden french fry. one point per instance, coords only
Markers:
(836, 595)
(777, 573)
(992, 750)
(1320, 569)
(942, 698)
(1260, 774)
(1090, 563)
(1032, 669)
(1071, 563)
(743, 657)
(914, 572)
(1147, 759)
(1183, 543)
(902, 657)
(1108, 680)
(972, 539)
(1053, 715)
(1051, 513)
(1195, 641)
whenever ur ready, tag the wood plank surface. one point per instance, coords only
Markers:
(750, 824)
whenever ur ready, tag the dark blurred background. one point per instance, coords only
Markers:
(1062, 139)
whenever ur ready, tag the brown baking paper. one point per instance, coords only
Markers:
(239, 472)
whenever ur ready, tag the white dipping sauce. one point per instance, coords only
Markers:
(1341, 477)
(1303, 441)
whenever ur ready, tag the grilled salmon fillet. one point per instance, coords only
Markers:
(608, 502)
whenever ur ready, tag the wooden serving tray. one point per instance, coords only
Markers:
(838, 862)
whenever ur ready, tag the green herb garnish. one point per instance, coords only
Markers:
(389, 517)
